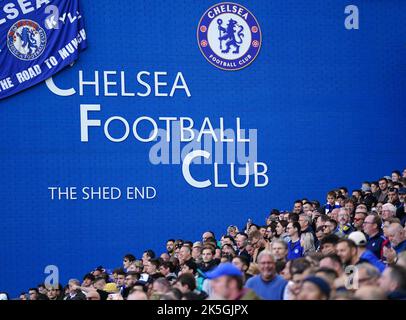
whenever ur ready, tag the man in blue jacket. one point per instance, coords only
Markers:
(362, 253)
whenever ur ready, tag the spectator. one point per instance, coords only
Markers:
(344, 191)
(23, 296)
(147, 255)
(92, 295)
(54, 292)
(306, 234)
(160, 286)
(314, 288)
(401, 211)
(267, 285)
(197, 251)
(330, 227)
(279, 249)
(88, 280)
(170, 246)
(242, 263)
(299, 269)
(257, 241)
(241, 243)
(331, 202)
(350, 205)
(375, 189)
(166, 269)
(396, 176)
(185, 254)
(357, 195)
(186, 283)
(208, 263)
(333, 215)
(368, 275)
(370, 293)
(388, 211)
(393, 282)
(359, 219)
(295, 250)
(189, 267)
(319, 236)
(328, 244)
(382, 195)
(393, 197)
(74, 292)
(344, 226)
(128, 260)
(397, 238)
(307, 208)
(137, 294)
(332, 262)
(280, 231)
(298, 207)
(227, 283)
(372, 228)
(33, 293)
(363, 254)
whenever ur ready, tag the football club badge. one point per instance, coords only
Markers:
(26, 40)
(229, 36)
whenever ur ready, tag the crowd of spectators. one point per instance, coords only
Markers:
(353, 246)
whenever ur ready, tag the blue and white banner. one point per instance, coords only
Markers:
(37, 39)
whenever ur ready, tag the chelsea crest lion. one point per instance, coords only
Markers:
(229, 36)
(26, 40)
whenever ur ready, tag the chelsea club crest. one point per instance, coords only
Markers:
(26, 40)
(229, 36)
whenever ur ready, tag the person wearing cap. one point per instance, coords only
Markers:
(267, 285)
(362, 254)
(314, 288)
(226, 282)
(372, 228)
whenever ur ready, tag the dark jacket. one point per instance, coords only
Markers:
(79, 296)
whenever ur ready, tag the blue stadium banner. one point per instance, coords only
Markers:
(38, 39)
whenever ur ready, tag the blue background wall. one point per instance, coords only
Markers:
(328, 104)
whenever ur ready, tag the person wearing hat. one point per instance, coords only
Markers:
(314, 288)
(363, 254)
(227, 283)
